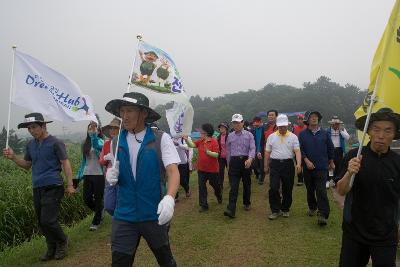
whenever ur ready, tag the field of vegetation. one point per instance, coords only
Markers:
(17, 217)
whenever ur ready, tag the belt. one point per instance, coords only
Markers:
(239, 157)
(282, 160)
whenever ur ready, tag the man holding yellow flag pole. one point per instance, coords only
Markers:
(370, 177)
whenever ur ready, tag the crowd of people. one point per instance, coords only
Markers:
(135, 176)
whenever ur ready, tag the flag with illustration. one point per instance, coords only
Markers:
(385, 70)
(156, 75)
(42, 89)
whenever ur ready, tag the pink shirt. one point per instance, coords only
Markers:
(223, 146)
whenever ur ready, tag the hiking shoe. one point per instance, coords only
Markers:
(311, 213)
(322, 221)
(93, 227)
(49, 255)
(247, 207)
(203, 209)
(274, 215)
(299, 184)
(229, 214)
(285, 214)
(260, 182)
(61, 250)
(327, 185)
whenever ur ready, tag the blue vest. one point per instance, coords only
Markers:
(138, 199)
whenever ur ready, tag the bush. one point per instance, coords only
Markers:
(17, 217)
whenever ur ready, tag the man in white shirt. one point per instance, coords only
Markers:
(280, 149)
(184, 169)
(339, 138)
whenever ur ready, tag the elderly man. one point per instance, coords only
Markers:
(317, 154)
(339, 137)
(240, 152)
(371, 208)
(281, 147)
(145, 206)
(45, 154)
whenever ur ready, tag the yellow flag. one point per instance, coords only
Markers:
(385, 70)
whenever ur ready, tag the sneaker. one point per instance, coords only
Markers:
(247, 207)
(49, 255)
(61, 250)
(229, 214)
(311, 213)
(322, 221)
(93, 227)
(260, 182)
(203, 209)
(332, 184)
(274, 215)
(299, 184)
(285, 214)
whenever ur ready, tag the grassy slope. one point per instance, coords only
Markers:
(210, 239)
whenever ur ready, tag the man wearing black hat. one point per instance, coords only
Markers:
(317, 155)
(371, 207)
(45, 154)
(144, 205)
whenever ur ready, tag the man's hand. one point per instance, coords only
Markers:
(331, 165)
(354, 165)
(185, 137)
(309, 164)
(259, 155)
(109, 157)
(266, 169)
(165, 209)
(112, 174)
(247, 163)
(298, 168)
(8, 153)
(70, 190)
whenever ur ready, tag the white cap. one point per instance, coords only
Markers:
(282, 120)
(237, 117)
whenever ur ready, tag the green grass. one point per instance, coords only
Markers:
(210, 239)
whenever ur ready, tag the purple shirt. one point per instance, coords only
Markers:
(240, 144)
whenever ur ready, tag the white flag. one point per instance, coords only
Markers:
(156, 75)
(42, 89)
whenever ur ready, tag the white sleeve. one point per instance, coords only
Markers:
(268, 145)
(168, 151)
(296, 144)
(345, 135)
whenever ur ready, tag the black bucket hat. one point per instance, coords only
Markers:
(308, 114)
(133, 99)
(33, 118)
(383, 114)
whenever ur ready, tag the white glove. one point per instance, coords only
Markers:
(109, 157)
(165, 209)
(112, 174)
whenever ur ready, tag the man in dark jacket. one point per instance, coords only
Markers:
(258, 163)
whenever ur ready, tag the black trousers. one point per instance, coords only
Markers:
(354, 254)
(337, 159)
(222, 165)
(258, 167)
(184, 173)
(125, 238)
(317, 198)
(213, 180)
(281, 171)
(238, 172)
(93, 192)
(47, 202)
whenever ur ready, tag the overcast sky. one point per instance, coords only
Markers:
(219, 46)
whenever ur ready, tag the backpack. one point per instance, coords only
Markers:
(111, 192)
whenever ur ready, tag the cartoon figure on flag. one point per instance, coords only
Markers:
(154, 69)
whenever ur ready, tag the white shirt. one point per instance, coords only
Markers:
(335, 136)
(169, 154)
(282, 147)
(182, 148)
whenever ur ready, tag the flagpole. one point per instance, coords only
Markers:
(14, 47)
(371, 104)
(139, 37)
(116, 148)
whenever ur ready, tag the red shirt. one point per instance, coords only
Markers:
(206, 163)
(268, 131)
(298, 129)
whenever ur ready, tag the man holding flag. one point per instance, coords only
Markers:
(370, 177)
(45, 154)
